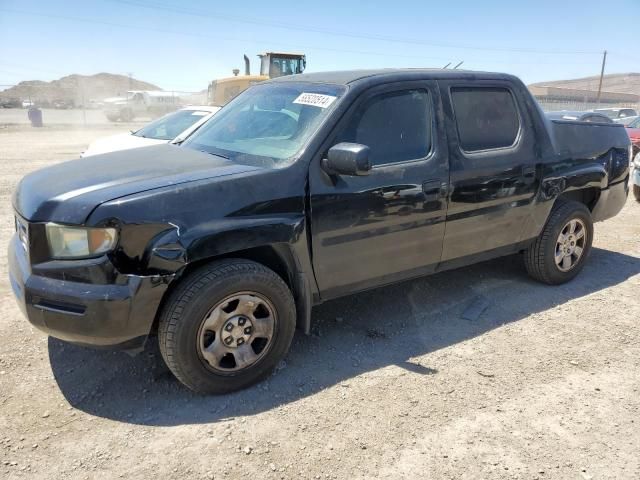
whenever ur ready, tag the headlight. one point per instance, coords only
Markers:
(78, 242)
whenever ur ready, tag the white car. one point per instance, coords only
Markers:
(626, 120)
(174, 126)
(615, 113)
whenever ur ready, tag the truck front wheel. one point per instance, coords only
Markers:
(561, 249)
(126, 115)
(226, 326)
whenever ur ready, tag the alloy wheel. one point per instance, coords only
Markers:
(237, 332)
(570, 244)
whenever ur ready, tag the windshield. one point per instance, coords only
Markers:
(172, 125)
(627, 120)
(268, 124)
(285, 66)
(635, 123)
(609, 113)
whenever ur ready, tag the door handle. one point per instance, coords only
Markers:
(434, 190)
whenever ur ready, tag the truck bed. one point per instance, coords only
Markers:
(586, 140)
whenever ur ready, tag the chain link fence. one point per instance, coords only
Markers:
(552, 105)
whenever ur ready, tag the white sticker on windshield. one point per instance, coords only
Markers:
(198, 113)
(315, 99)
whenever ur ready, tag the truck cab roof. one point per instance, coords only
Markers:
(346, 77)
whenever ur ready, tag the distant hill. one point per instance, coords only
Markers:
(76, 88)
(615, 82)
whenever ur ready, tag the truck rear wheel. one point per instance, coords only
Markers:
(226, 326)
(559, 252)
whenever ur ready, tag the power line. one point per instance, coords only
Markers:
(197, 35)
(30, 68)
(626, 57)
(263, 41)
(308, 28)
(9, 72)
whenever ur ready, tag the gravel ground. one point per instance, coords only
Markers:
(393, 383)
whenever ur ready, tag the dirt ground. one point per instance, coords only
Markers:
(394, 383)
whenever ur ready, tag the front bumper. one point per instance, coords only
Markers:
(116, 315)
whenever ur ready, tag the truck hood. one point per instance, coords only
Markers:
(121, 141)
(69, 192)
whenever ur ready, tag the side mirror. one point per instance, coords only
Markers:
(347, 159)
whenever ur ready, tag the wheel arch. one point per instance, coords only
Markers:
(278, 257)
(588, 196)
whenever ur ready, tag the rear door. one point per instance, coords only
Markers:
(493, 166)
(389, 225)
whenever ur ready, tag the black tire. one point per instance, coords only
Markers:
(126, 115)
(636, 192)
(540, 256)
(188, 305)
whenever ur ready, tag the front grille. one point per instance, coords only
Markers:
(23, 233)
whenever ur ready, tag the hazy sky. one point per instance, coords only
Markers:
(183, 45)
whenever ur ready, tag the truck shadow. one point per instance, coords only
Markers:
(354, 335)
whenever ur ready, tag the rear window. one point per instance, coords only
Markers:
(597, 119)
(486, 117)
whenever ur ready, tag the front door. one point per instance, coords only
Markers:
(389, 225)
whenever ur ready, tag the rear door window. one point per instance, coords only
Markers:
(486, 117)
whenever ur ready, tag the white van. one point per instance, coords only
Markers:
(138, 103)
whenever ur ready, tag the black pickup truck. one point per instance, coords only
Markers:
(302, 189)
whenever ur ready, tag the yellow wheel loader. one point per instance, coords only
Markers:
(272, 65)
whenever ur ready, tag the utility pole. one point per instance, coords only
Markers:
(130, 75)
(84, 101)
(604, 61)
